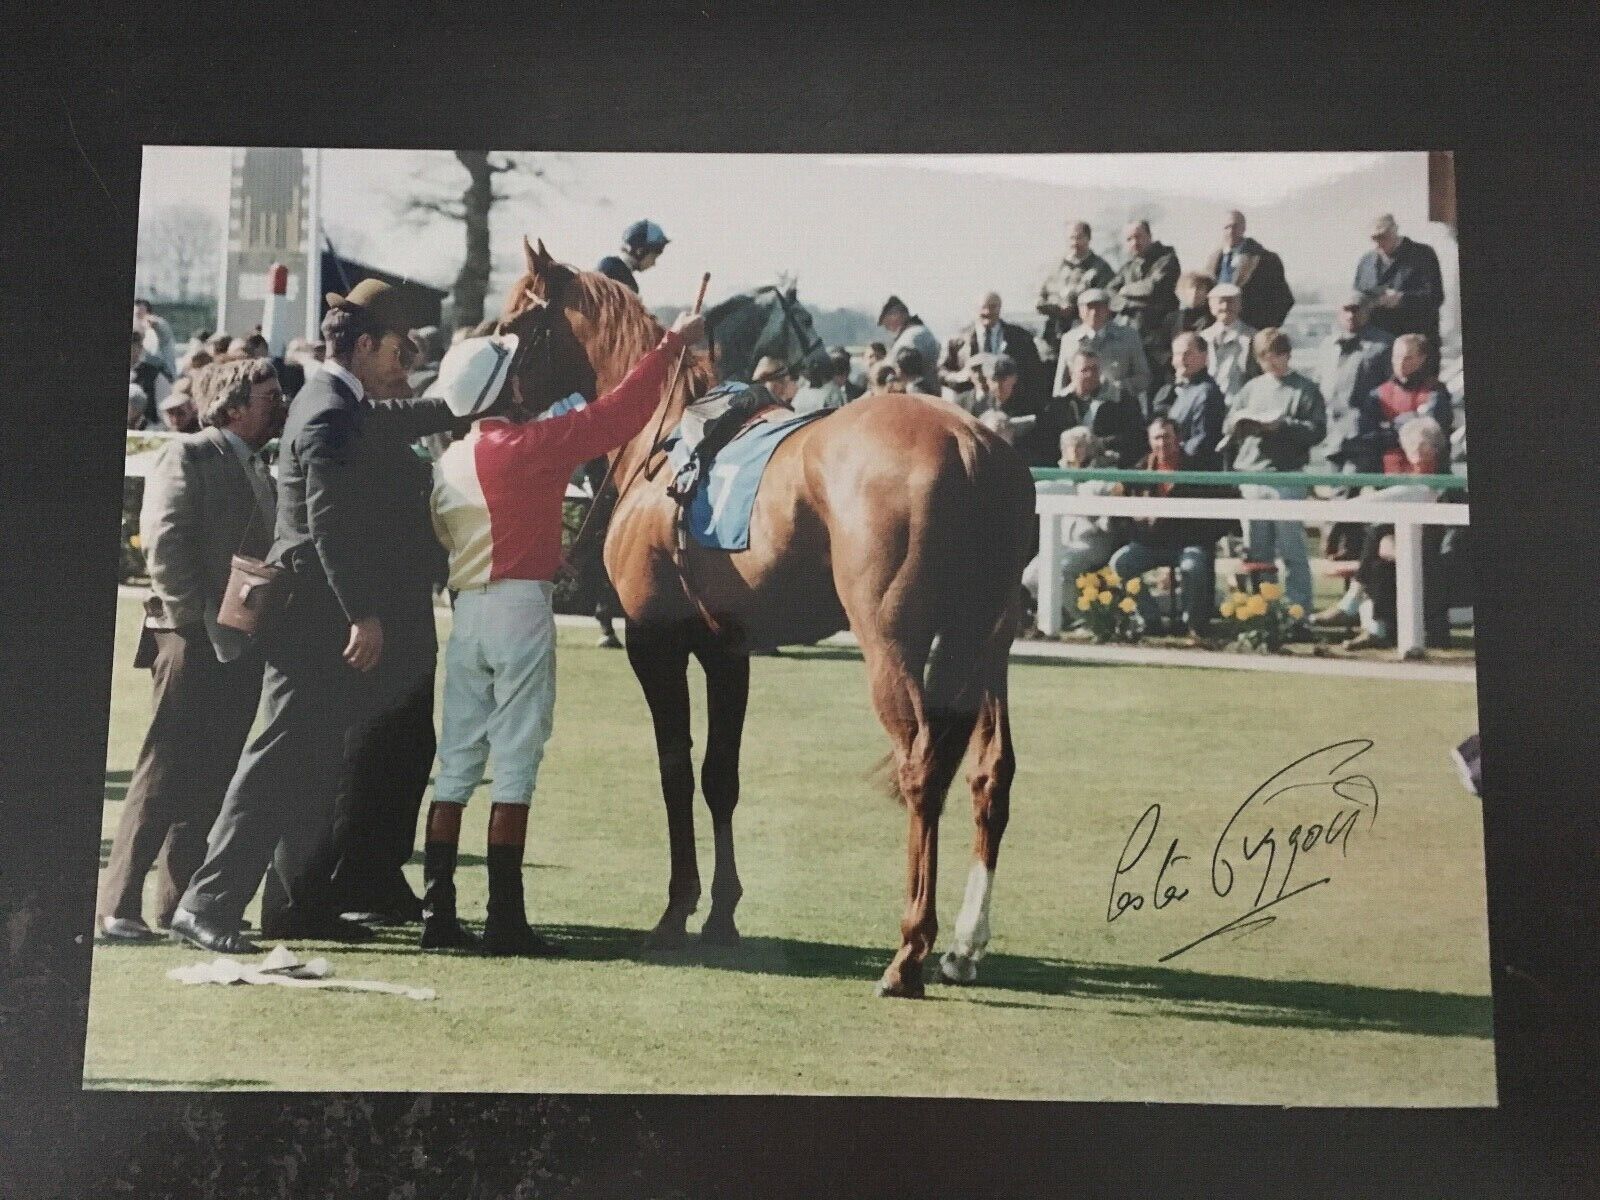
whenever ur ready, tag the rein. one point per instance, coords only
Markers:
(793, 325)
(655, 440)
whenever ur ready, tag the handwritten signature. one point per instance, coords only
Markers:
(1315, 797)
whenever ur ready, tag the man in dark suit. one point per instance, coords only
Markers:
(208, 498)
(356, 637)
(1403, 285)
(1105, 408)
(991, 336)
(1265, 298)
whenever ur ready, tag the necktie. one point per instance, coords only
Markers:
(261, 481)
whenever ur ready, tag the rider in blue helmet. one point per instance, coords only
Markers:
(642, 244)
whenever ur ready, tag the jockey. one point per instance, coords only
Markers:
(642, 244)
(496, 502)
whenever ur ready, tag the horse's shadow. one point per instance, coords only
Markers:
(1138, 991)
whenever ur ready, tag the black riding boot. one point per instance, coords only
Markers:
(506, 931)
(440, 929)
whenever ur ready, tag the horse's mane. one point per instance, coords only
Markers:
(627, 329)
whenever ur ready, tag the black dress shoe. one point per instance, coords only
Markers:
(186, 927)
(316, 929)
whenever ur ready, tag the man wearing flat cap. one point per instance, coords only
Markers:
(357, 634)
(1354, 361)
(1119, 347)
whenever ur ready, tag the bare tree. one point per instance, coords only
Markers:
(178, 248)
(492, 178)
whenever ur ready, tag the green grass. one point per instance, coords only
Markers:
(1370, 990)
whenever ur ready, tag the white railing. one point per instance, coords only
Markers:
(1407, 518)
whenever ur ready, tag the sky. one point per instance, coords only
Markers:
(937, 229)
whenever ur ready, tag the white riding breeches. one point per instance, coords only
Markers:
(499, 691)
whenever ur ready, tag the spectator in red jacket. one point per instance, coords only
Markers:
(1412, 391)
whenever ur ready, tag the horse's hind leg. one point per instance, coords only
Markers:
(994, 765)
(727, 692)
(659, 656)
(928, 744)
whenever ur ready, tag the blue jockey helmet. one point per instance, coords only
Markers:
(645, 235)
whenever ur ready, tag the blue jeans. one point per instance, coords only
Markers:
(1197, 586)
(1270, 541)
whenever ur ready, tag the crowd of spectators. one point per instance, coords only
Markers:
(1148, 364)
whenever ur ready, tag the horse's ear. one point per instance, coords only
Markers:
(793, 284)
(538, 260)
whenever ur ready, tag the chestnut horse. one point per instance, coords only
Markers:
(898, 516)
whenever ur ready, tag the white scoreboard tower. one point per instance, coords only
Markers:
(273, 218)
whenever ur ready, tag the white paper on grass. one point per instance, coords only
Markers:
(282, 967)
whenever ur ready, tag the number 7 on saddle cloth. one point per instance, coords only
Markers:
(721, 499)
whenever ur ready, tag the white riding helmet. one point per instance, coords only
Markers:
(473, 373)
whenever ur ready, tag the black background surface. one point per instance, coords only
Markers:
(1512, 94)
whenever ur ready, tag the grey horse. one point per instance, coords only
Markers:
(768, 321)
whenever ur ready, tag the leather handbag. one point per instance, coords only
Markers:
(257, 592)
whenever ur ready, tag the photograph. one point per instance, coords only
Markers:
(961, 625)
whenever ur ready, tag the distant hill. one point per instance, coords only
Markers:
(836, 326)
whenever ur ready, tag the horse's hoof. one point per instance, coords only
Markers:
(958, 968)
(719, 933)
(900, 989)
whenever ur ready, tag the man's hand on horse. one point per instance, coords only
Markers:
(690, 326)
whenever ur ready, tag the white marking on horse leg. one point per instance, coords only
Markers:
(960, 963)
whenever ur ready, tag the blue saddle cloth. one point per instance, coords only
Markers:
(718, 513)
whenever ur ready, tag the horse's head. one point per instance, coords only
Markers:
(769, 321)
(577, 331)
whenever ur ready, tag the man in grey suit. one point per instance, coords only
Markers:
(357, 633)
(208, 497)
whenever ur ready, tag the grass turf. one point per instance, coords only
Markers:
(1372, 989)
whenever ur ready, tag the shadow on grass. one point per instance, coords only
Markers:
(850, 654)
(465, 859)
(1150, 991)
(1008, 978)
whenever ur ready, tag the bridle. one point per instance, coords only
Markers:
(792, 324)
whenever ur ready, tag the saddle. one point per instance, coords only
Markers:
(708, 425)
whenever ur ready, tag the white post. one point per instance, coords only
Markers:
(1408, 588)
(313, 250)
(275, 313)
(1049, 616)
